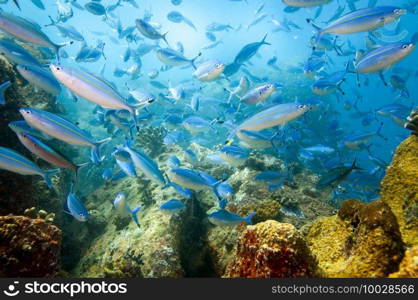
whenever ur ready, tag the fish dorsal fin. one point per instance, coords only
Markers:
(25, 22)
(111, 85)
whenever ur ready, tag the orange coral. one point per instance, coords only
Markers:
(272, 249)
(28, 247)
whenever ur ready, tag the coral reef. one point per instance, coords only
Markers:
(152, 140)
(399, 189)
(409, 265)
(272, 249)
(28, 247)
(149, 251)
(41, 214)
(363, 240)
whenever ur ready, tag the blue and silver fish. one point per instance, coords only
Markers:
(40, 78)
(225, 218)
(61, 129)
(172, 207)
(12, 161)
(17, 54)
(75, 207)
(122, 208)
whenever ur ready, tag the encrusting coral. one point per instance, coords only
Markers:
(28, 247)
(272, 249)
(363, 240)
(399, 189)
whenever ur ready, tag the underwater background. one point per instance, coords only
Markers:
(200, 138)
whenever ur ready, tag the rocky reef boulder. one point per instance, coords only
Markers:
(28, 247)
(399, 189)
(363, 240)
(409, 265)
(272, 249)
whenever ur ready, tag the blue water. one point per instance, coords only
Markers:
(292, 50)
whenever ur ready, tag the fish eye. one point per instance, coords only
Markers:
(405, 46)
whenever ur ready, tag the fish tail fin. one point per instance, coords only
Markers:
(3, 88)
(249, 217)
(17, 4)
(52, 22)
(231, 94)
(379, 131)
(263, 41)
(223, 203)
(405, 93)
(164, 37)
(48, 174)
(194, 59)
(134, 116)
(336, 47)
(317, 28)
(168, 182)
(57, 48)
(134, 214)
(354, 165)
(95, 151)
(215, 189)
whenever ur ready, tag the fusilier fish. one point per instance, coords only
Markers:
(362, 20)
(172, 207)
(258, 94)
(305, 3)
(147, 30)
(223, 217)
(17, 54)
(12, 161)
(47, 153)
(75, 207)
(61, 129)
(277, 115)
(92, 88)
(383, 57)
(145, 164)
(209, 70)
(122, 208)
(26, 31)
(40, 78)
(174, 58)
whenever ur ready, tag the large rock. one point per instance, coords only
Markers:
(363, 240)
(28, 247)
(400, 189)
(272, 249)
(409, 265)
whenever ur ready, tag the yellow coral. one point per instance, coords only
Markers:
(357, 242)
(400, 189)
